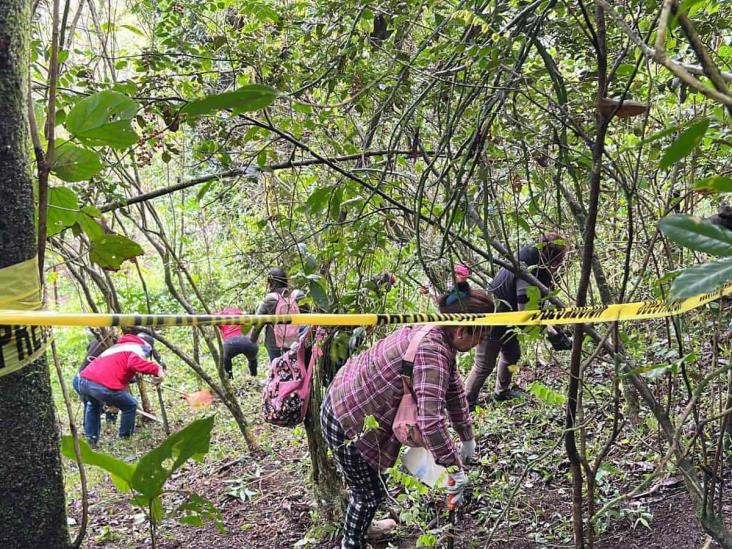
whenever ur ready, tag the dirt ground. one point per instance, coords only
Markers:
(275, 512)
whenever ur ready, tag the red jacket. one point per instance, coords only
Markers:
(228, 331)
(115, 367)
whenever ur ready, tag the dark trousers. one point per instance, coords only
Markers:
(240, 345)
(94, 397)
(502, 341)
(366, 486)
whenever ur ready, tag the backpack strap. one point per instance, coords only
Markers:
(408, 360)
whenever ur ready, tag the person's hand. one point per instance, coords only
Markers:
(456, 483)
(559, 340)
(159, 378)
(467, 450)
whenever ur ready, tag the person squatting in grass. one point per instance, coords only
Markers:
(510, 292)
(280, 299)
(106, 381)
(236, 343)
(369, 384)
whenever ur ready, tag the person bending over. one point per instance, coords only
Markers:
(369, 384)
(280, 300)
(510, 292)
(100, 341)
(236, 343)
(106, 380)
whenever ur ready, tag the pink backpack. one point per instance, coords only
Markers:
(286, 334)
(287, 392)
(405, 426)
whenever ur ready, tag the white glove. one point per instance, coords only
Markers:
(456, 483)
(467, 450)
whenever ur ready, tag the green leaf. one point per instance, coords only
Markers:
(318, 294)
(63, 209)
(702, 278)
(104, 118)
(427, 540)
(714, 184)
(157, 513)
(684, 143)
(90, 226)
(158, 464)
(547, 394)
(370, 423)
(245, 99)
(73, 163)
(121, 472)
(534, 295)
(697, 234)
(197, 510)
(109, 251)
(318, 199)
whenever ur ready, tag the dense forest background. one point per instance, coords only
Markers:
(182, 149)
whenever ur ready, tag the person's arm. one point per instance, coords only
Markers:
(265, 308)
(142, 366)
(430, 379)
(457, 407)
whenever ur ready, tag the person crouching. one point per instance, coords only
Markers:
(106, 380)
(370, 385)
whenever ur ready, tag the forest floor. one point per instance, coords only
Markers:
(266, 502)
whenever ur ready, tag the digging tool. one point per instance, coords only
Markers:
(451, 517)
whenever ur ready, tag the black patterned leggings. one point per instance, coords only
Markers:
(366, 487)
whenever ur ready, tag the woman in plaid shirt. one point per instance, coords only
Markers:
(369, 384)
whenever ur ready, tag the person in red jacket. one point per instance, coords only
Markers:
(106, 379)
(236, 343)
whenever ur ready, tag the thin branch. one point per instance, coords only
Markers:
(248, 171)
(683, 71)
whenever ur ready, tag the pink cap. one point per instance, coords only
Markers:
(462, 272)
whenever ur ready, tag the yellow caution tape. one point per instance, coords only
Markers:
(21, 342)
(641, 310)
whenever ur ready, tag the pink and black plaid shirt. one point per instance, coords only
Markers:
(369, 384)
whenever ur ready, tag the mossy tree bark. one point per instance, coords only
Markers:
(328, 487)
(32, 509)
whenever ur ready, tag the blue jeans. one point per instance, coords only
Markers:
(94, 396)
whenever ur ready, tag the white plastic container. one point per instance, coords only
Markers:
(420, 463)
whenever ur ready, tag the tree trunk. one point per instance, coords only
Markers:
(327, 485)
(32, 509)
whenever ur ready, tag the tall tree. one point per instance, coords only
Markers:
(32, 510)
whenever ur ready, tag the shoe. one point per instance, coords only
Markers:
(508, 394)
(381, 528)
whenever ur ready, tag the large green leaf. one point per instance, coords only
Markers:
(697, 234)
(156, 466)
(702, 278)
(684, 143)
(245, 99)
(121, 472)
(63, 209)
(714, 184)
(103, 118)
(318, 294)
(109, 251)
(73, 163)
